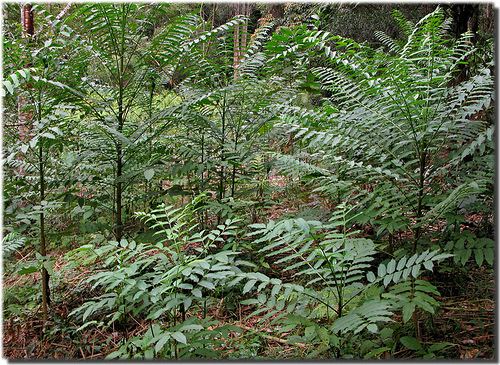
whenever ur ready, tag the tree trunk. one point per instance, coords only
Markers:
(233, 175)
(465, 18)
(240, 38)
(119, 173)
(119, 193)
(222, 152)
(24, 115)
(43, 244)
(247, 9)
(236, 42)
(28, 20)
(488, 18)
(119, 154)
(25, 118)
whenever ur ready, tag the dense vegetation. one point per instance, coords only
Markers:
(246, 181)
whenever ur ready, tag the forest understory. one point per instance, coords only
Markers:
(466, 317)
(248, 181)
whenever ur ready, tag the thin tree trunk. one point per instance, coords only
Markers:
(58, 17)
(236, 50)
(119, 173)
(119, 148)
(27, 21)
(418, 231)
(465, 18)
(149, 184)
(119, 192)
(222, 153)
(119, 169)
(489, 18)
(43, 244)
(244, 33)
(25, 116)
(240, 38)
(233, 175)
(43, 240)
(202, 182)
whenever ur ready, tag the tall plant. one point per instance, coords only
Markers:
(32, 188)
(392, 128)
(224, 121)
(128, 58)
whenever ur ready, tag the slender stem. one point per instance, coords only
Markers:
(150, 142)
(233, 175)
(222, 153)
(43, 243)
(418, 230)
(119, 155)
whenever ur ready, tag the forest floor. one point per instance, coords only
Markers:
(465, 319)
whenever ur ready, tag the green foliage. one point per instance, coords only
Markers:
(189, 339)
(406, 267)
(426, 352)
(163, 279)
(11, 243)
(467, 244)
(332, 264)
(15, 79)
(412, 295)
(157, 278)
(20, 301)
(392, 118)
